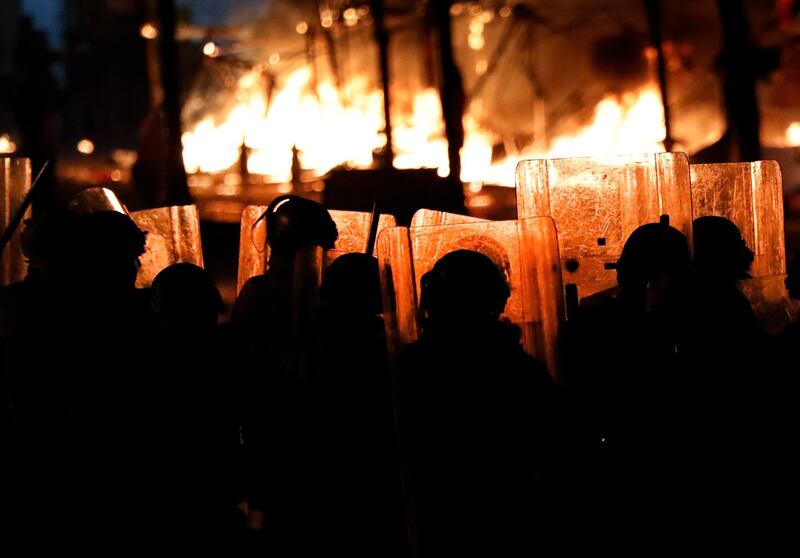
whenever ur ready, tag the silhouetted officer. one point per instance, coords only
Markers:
(262, 321)
(354, 503)
(74, 377)
(193, 414)
(476, 414)
(623, 373)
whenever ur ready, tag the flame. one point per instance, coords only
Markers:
(793, 134)
(7, 145)
(330, 128)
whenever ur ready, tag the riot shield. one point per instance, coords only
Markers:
(525, 250)
(353, 228)
(770, 301)
(751, 196)
(597, 202)
(432, 218)
(15, 183)
(253, 249)
(173, 236)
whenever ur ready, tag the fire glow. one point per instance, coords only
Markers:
(330, 128)
(7, 145)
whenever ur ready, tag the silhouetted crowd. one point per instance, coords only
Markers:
(134, 422)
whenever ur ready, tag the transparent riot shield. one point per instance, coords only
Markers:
(525, 250)
(353, 227)
(770, 301)
(173, 236)
(431, 218)
(253, 249)
(597, 202)
(751, 196)
(309, 265)
(15, 183)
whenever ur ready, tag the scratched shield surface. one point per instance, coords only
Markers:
(15, 183)
(353, 228)
(751, 196)
(597, 202)
(432, 217)
(525, 251)
(173, 236)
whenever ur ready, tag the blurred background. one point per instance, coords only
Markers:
(226, 104)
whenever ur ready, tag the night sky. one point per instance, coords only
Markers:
(46, 14)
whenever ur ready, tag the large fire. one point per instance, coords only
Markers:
(330, 128)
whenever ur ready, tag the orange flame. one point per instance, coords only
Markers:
(332, 128)
(7, 145)
(793, 134)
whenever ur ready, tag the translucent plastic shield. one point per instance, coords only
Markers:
(173, 236)
(433, 218)
(751, 196)
(526, 251)
(253, 250)
(770, 301)
(353, 228)
(598, 202)
(15, 183)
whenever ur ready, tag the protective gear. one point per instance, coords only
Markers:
(464, 283)
(651, 251)
(294, 222)
(719, 248)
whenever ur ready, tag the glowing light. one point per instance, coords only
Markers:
(274, 58)
(456, 10)
(476, 42)
(301, 28)
(326, 18)
(7, 145)
(481, 67)
(793, 134)
(505, 11)
(476, 26)
(486, 16)
(210, 49)
(475, 39)
(329, 132)
(350, 17)
(86, 146)
(148, 31)
(116, 175)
